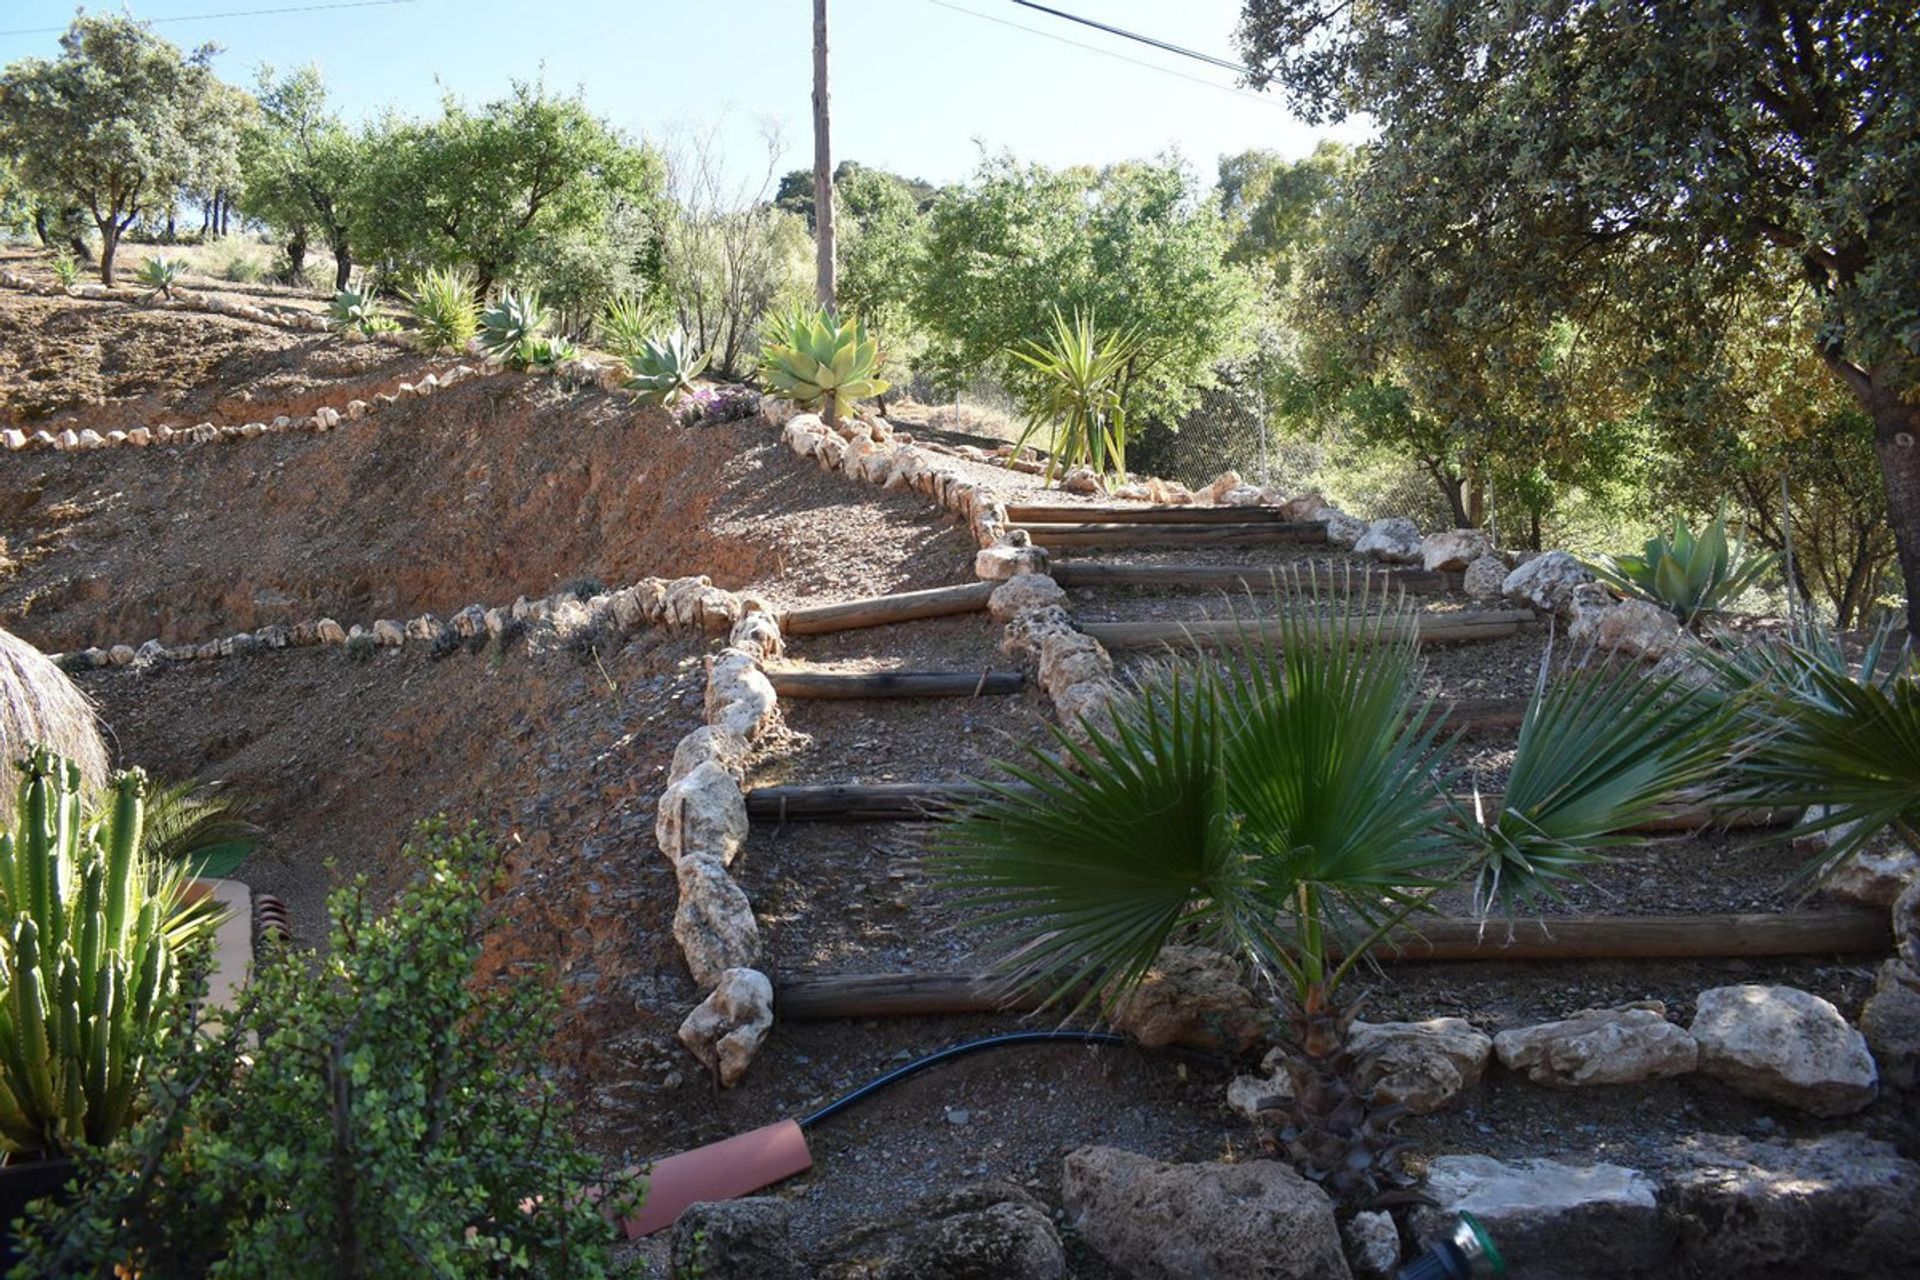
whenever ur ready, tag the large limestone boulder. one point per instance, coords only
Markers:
(1154, 1221)
(1546, 583)
(726, 1029)
(707, 743)
(1600, 1046)
(740, 698)
(1343, 530)
(1839, 1207)
(1454, 549)
(703, 813)
(1630, 628)
(1011, 559)
(990, 1231)
(735, 1240)
(1192, 997)
(1421, 1065)
(1083, 480)
(1783, 1045)
(1395, 540)
(714, 922)
(1891, 1024)
(1068, 658)
(1552, 1220)
(1485, 579)
(1021, 593)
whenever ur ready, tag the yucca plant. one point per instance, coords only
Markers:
(358, 311)
(664, 369)
(820, 361)
(511, 328)
(1689, 575)
(65, 268)
(160, 274)
(92, 925)
(443, 309)
(1080, 377)
(628, 325)
(1289, 799)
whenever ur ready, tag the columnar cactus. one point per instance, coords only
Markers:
(88, 935)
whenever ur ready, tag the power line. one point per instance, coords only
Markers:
(1109, 53)
(1157, 43)
(236, 13)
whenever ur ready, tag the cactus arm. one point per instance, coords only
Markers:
(29, 1012)
(123, 850)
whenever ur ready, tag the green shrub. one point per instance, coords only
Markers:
(1079, 394)
(160, 274)
(66, 268)
(663, 371)
(819, 361)
(442, 306)
(370, 1112)
(91, 927)
(1688, 575)
(241, 269)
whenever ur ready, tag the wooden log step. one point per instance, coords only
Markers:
(1073, 513)
(1849, 932)
(1237, 577)
(789, 683)
(877, 611)
(1447, 628)
(920, 801)
(1072, 537)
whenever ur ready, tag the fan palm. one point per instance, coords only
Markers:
(1290, 800)
(1080, 377)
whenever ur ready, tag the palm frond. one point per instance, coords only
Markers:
(191, 825)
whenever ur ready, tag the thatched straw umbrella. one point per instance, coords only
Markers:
(39, 704)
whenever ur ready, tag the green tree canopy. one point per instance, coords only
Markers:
(1132, 244)
(113, 124)
(1560, 160)
(299, 165)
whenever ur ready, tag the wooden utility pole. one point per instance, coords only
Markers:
(822, 161)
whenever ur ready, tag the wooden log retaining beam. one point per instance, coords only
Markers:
(1071, 537)
(1238, 577)
(893, 684)
(1853, 931)
(1431, 628)
(920, 801)
(1067, 513)
(877, 611)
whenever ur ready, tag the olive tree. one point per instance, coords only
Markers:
(1561, 159)
(299, 164)
(111, 125)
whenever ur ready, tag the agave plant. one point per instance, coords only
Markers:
(92, 926)
(1080, 378)
(1689, 575)
(511, 328)
(664, 370)
(1290, 800)
(358, 311)
(160, 274)
(442, 306)
(821, 362)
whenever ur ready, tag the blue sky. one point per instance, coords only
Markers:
(915, 83)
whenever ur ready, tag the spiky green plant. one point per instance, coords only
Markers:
(443, 309)
(664, 369)
(1079, 378)
(358, 311)
(193, 825)
(1838, 736)
(510, 327)
(628, 324)
(92, 925)
(1289, 799)
(819, 361)
(160, 274)
(65, 268)
(543, 352)
(1689, 575)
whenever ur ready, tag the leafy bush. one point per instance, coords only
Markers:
(1688, 575)
(821, 362)
(160, 274)
(1079, 394)
(1289, 799)
(92, 925)
(442, 305)
(664, 370)
(358, 311)
(241, 269)
(371, 1112)
(66, 268)
(510, 326)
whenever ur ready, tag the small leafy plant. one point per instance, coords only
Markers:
(510, 328)
(1080, 380)
(664, 370)
(821, 362)
(358, 311)
(65, 268)
(160, 274)
(1689, 575)
(443, 310)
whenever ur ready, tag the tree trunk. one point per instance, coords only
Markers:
(1896, 439)
(109, 242)
(343, 266)
(297, 257)
(1452, 489)
(822, 162)
(172, 233)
